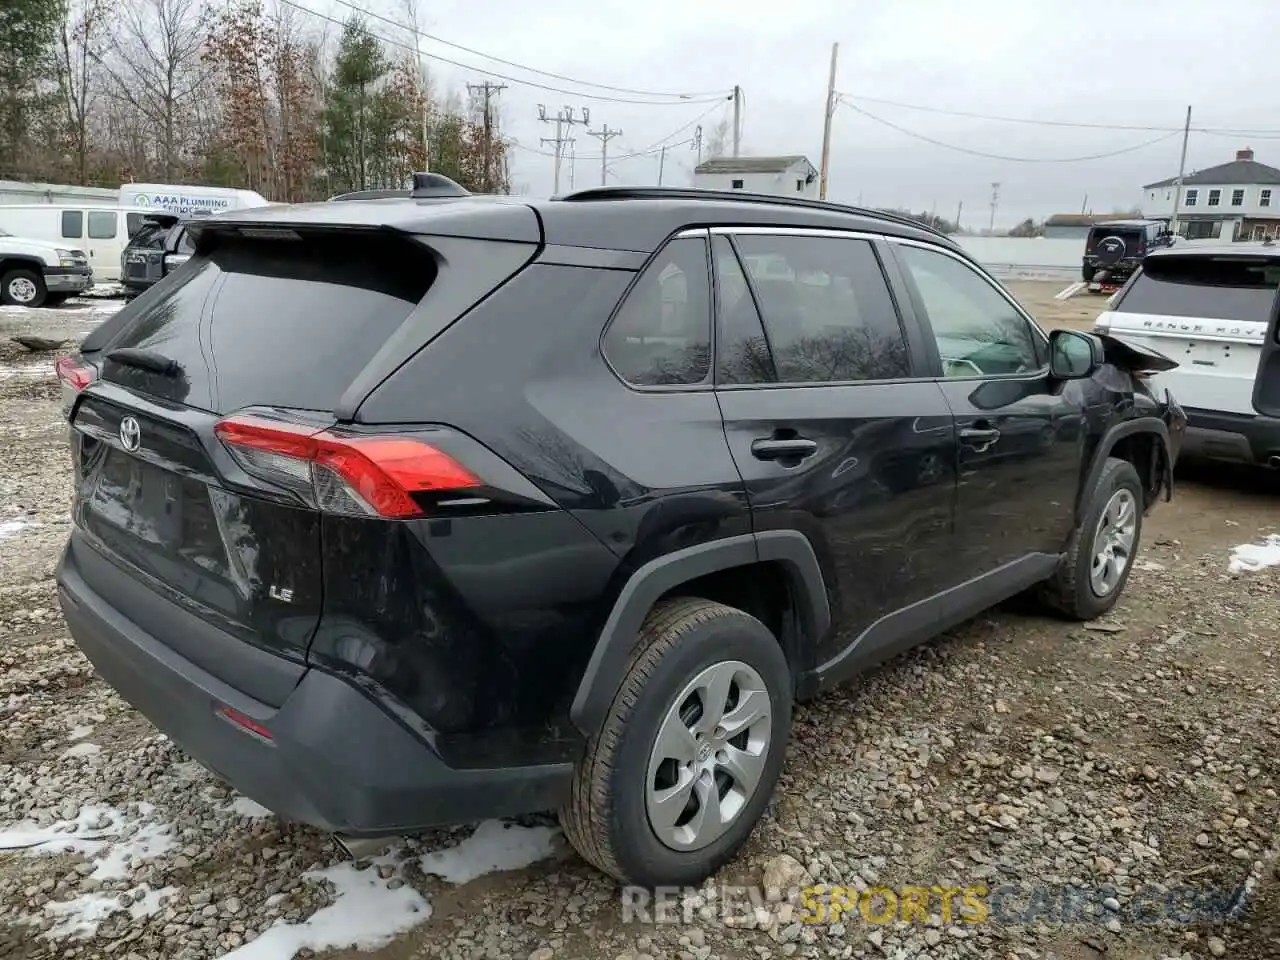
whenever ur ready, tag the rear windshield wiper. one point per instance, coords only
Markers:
(145, 360)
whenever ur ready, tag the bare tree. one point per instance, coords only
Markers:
(80, 40)
(156, 68)
(717, 139)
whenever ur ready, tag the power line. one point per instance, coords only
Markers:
(1217, 131)
(484, 70)
(647, 151)
(996, 156)
(525, 67)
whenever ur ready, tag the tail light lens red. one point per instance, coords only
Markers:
(345, 474)
(74, 373)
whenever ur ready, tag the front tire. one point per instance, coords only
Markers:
(688, 756)
(1103, 548)
(22, 288)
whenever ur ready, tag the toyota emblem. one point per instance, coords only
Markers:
(130, 434)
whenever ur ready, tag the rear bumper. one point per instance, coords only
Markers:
(335, 759)
(1232, 436)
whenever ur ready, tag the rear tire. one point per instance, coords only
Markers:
(616, 817)
(22, 288)
(1102, 549)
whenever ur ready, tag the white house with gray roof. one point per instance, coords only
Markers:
(792, 176)
(1239, 200)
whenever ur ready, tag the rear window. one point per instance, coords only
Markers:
(280, 322)
(1203, 287)
(149, 236)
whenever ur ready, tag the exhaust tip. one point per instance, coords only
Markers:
(362, 848)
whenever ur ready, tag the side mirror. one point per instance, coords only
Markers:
(1266, 385)
(1074, 355)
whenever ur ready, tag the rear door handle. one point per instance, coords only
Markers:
(792, 449)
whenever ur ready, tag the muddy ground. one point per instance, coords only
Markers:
(1140, 754)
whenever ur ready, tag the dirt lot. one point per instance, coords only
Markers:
(1129, 761)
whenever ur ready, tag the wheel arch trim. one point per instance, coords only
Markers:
(606, 669)
(1151, 425)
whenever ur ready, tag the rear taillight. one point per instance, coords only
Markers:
(347, 474)
(74, 373)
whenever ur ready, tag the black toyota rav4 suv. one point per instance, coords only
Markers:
(396, 513)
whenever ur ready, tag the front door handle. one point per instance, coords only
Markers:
(980, 438)
(796, 448)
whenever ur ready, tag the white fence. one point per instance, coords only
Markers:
(1029, 257)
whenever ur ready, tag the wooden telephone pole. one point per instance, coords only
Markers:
(485, 91)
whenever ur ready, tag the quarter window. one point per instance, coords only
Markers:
(978, 331)
(72, 224)
(826, 307)
(662, 334)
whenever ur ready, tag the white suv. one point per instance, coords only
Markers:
(1208, 307)
(34, 273)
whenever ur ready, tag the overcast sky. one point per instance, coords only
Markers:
(1139, 62)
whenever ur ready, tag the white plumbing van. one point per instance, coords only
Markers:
(100, 232)
(187, 199)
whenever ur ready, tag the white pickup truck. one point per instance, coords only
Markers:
(34, 273)
(1213, 309)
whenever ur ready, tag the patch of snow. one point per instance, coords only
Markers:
(494, 846)
(84, 749)
(1149, 565)
(365, 914)
(80, 732)
(27, 370)
(151, 840)
(244, 807)
(82, 915)
(1251, 557)
(9, 528)
(111, 848)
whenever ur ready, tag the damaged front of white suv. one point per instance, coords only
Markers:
(1206, 309)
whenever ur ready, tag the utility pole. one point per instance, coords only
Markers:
(995, 200)
(565, 116)
(662, 160)
(826, 123)
(573, 161)
(1182, 169)
(486, 90)
(737, 118)
(1084, 205)
(604, 135)
(697, 141)
(959, 210)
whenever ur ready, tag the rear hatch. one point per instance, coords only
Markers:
(205, 443)
(1114, 244)
(1208, 313)
(143, 259)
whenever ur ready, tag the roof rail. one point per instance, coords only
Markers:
(696, 193)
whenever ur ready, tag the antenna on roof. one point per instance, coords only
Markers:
(436, 185)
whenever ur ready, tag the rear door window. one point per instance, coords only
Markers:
(287, 322)
(827, 311)
(1204, 287)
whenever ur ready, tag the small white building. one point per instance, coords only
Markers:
(791, 176)
(1239, 200)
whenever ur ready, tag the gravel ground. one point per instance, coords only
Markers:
(1122, 759)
